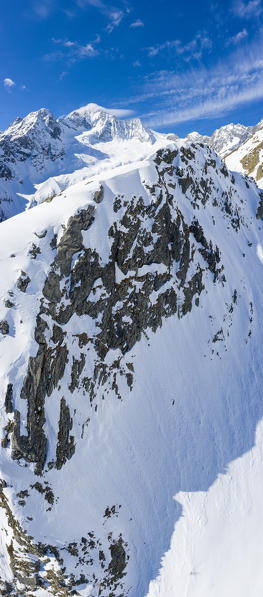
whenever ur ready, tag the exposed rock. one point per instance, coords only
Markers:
(77, 368)
(34, 251)
(260, 208)
(5, 171)
(4, 327)
(118, 559)
(98, 195)
(9, 304)
(65, 445)
(9, 398)
(23, 281)
(44, 372)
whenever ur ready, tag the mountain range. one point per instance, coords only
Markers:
(131, 362)
(40, 155)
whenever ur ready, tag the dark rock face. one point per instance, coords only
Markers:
(118, 559)
(98, 195)
(44, 372)
(47, 368)
(9, 399)
(4, 327)
(153, 272)
(65, 445)
(260, 208)
(5, 171)
(23, 281)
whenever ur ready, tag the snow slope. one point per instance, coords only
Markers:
(217, 544)
(133, 301)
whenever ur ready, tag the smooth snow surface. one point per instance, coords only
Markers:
(217, 545)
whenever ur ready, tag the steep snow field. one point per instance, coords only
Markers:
(217, 544)
(166, 466)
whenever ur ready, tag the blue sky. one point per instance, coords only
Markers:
(180, 66)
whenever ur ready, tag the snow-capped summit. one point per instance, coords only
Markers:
(224, 139)
(105, 126)
(35, 148)
(248, 156)
(227, 138)
(41, 155)
(33, 124)
(240, 146)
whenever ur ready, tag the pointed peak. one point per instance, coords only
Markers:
(91, 109)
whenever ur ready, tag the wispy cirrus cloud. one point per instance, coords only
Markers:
(114, 14)
(247, 10)
(72, 51)
(203, 93)
(42, 8)
(193, 49)
(236, 39)
(137, 23)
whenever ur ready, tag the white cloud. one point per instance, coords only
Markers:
(236, 39)
(119, 112)
(115, 15)
(69, 44)
(88, 50)
(193, 49)
(8, 83)
(73, 50)
(42, 8)
(137, 23)
(62, 75)
(253, 8)
(201, 93)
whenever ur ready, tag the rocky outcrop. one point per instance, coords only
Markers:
(4, 327)
(23, 281)
(9, 398)
(152, 273)
(259, 213)
(65, 445)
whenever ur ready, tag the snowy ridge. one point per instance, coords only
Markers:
(227, 138)
(240, 146)
(248, 157)
(130, 365)
(38, 146)
(40, 156)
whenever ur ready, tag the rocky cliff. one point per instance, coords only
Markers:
(130, 365)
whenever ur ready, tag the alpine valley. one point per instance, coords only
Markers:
(131, 359)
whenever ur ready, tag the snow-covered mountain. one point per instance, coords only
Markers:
(240, 146)
(130, 351)
(44, 153)
(248, 157)
(227, 138)
(41, 156)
